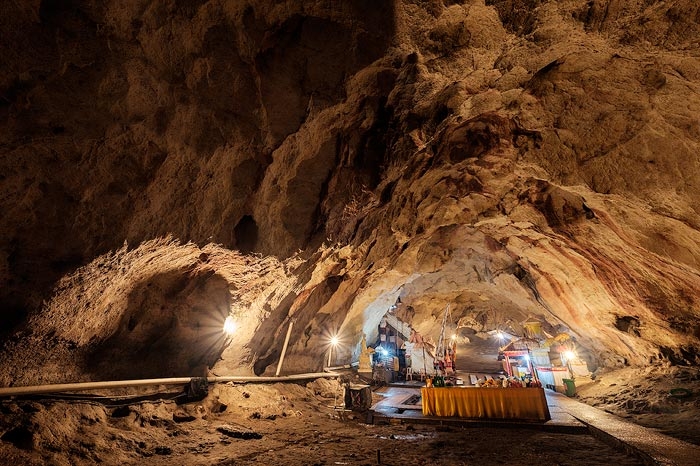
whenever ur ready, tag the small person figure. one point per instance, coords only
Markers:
(365, 356)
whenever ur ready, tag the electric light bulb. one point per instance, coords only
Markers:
(229, 325)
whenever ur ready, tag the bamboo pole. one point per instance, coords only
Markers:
(284, 348)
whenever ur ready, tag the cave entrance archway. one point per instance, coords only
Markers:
(171, 327)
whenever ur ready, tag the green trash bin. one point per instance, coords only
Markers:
(570, 387)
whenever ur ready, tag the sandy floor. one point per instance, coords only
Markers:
(274, 424)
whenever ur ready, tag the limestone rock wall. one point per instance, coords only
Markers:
(513, 159)
(130, 121)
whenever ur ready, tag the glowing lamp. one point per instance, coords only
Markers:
(229, 326)
(499, 335)
(569, 355)
(334, 342)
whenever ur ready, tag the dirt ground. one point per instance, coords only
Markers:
(646, 397)
(288, 424)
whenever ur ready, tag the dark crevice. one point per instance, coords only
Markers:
(246, 233)
(20, 437)
(628, 324)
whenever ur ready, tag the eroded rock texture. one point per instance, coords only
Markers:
(513, 159)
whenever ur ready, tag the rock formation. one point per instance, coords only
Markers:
(167, 163)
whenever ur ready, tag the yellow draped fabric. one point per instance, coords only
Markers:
(486, 403)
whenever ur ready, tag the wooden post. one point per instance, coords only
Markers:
(533, 371)
(284, 348)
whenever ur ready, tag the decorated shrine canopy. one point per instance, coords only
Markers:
(562, 342)
(519, 349)
(521, 345)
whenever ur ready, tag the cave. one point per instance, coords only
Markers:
(171, 326)
(246, 232)
(252, 189)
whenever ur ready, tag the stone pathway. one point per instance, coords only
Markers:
(658, 448)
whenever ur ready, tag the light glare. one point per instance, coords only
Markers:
(229, 325)
(334, 341)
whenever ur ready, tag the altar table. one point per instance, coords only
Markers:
(485, 403)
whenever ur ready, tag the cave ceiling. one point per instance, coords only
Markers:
(165, 164)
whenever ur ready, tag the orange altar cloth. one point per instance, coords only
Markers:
(486, 403)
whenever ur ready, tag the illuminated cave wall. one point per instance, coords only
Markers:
(514, 159)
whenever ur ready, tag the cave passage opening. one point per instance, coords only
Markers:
(173, 326)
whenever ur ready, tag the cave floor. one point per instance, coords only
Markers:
(567, 416)
(303, 425)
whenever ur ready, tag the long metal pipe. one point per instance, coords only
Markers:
(74, 387)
